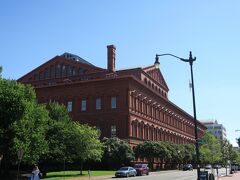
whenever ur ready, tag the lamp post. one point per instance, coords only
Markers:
(20, 155)
(190, 60)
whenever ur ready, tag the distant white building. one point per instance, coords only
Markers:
(218, 130)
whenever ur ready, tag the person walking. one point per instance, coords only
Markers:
(35, 173)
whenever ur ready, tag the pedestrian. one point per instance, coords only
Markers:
(35, 173)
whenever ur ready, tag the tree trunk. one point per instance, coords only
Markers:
(81, 168)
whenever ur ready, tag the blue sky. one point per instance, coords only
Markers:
(32, 32)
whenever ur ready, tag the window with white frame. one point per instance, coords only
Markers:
(84, 105)
(69, 106)
(113, 131)
(113, 102)
(98, 103)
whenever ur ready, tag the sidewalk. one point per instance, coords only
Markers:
(92, 178)
(235, 176)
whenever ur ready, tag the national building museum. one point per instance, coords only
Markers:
(131, 104)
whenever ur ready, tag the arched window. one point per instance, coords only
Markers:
(45, 74)
(58, 67)
(134, 129)
(145, 80)
(149, 83)
(51, 72)
(151, 134)
(141, 132)
(63, 70)
(146, 133)
(69, 70)
(74, 71)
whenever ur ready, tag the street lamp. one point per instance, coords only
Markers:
(20, 155)
(190, 60)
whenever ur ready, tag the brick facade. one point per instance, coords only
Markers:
(131, 104)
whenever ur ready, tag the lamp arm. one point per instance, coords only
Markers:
(182, 59)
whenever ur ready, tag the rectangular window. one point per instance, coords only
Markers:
(113, 131)
(84, 105)
(98, 103)
(69, 106)
(113, 102)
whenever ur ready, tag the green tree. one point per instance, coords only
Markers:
(70, 141)
(210, 152)
(238, 157)
(149, 150)
(87, 144)
(29, 134)
(13, 99)
(164, 153)
(173, 155)
(58, 134)
(22, 123)
(117, 152)
(188, 152)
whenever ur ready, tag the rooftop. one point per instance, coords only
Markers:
(75, 57)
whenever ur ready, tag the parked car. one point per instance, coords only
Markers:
(141, 169)
(234, 167)
(126, 172)
(187, 167)
(217, 166)
(208, 166)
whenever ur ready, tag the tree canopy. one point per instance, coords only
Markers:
(117, 152)
(43, 132)
(210, 151)
(22, 122)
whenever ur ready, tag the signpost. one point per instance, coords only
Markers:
(203, 175)
(1, 156)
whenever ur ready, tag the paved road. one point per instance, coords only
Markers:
(162, 175)
(171, 175)
(165, 175)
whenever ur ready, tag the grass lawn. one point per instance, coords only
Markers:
(72, 174)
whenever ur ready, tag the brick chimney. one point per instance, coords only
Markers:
(111, 57)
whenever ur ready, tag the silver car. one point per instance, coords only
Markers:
(126, 172)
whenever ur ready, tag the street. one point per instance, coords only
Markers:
(167, 175)
(172, 175)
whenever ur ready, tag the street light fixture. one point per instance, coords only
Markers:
(190, 60)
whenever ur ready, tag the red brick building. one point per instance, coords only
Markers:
(131, 104)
